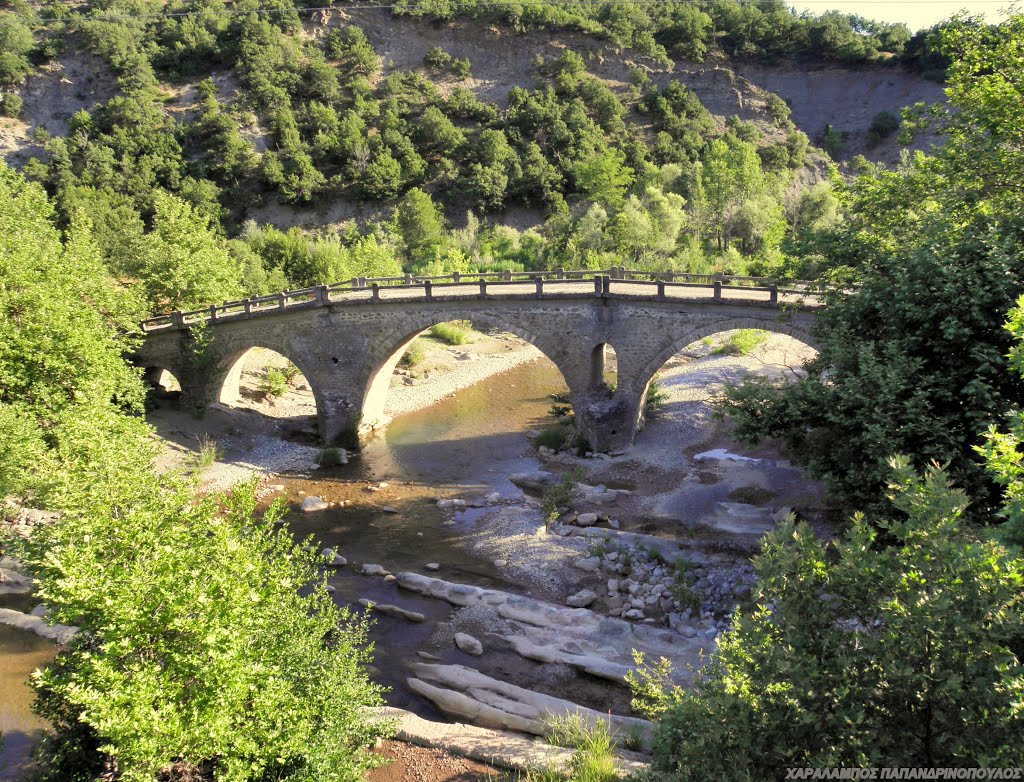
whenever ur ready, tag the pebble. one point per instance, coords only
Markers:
(581, 599)
(313, 504)
(369, 569)
(433, 566)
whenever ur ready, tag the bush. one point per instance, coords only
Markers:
(858, 653)
(883, 125)
(414, 355)
(11, 105)
(274, 383)
(742, 343)
(331, 457)
(554, 437)
(454, 333)
(655, 399)
(227, 673)
(832, 141)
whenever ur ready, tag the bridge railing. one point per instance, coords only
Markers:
(615, 281)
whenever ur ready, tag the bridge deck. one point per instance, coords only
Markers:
(446, 289)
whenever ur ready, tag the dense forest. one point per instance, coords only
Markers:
(899, 644)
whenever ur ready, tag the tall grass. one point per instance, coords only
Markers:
(594, 758)
(742, 343)
(453, 333)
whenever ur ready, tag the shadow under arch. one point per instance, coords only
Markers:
(228, 376)
(390, 349)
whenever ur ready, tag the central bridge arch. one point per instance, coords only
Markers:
(388, 351)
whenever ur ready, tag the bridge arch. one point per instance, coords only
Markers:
(226, 379)
(388, 351)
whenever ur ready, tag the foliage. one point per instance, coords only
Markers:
(64, 325)
(453, 333)
(203, 672)
(11, 105)
(208, 454)
(273, 384)
(741, 343)
(883, 125)
(593, 759)
(228, 671)
(330, 457)
(553, 437)
(556, 498)
(414, 355)
(858, 654)
(912, 360)
(655, 398)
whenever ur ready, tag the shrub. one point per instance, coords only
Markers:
(10, 105)
(858, 652)
(454, 333)
(553, 437)
(331, 457)
(883, 125)
(436, 59)
(414, 355)
(655, 399)
(208, 453)
(742, 343)
(832, 141)
(198, 651)
(557, 497)
(273, 384)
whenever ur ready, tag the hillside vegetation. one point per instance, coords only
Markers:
(219, 113)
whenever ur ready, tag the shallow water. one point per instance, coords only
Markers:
(463, 446)
(21, 652)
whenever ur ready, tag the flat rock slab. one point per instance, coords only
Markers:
(392, 610)
(468, 693)
(496, 747)
(600, 645)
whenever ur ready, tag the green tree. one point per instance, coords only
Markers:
(859, 654)
(183, 263)
(421, 226)
(912, 360)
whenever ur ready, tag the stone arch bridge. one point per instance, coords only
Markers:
(347, 338)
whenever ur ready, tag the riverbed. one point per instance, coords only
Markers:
(465, 446)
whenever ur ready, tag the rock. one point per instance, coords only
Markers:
(313, 504)
(445, 504)
(369, 569)
(614, 601)
(688, 631)
(471, 694)
(459, 504)
(391, 610)
(40, 611)
(493, 497)
(331, 589)
(613, 523)
(409, 381)
(588, 564)
(277, 487)
(334, 559)
(722, 455)
(428, 656)
(537, 479)
(602, 456)
(388, 579)
(500, 562)
(581, 599)
(432, 566)
(586, 519)
(388, 509)
(469, 644)
(780, 515)
(613, 586)
(634, 613)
